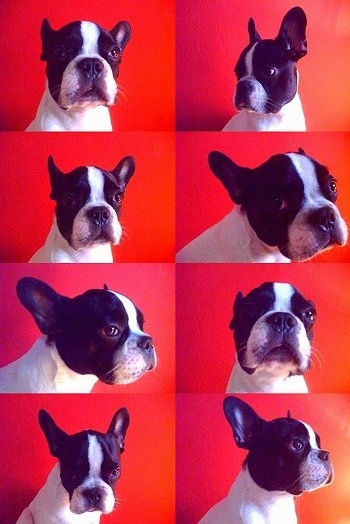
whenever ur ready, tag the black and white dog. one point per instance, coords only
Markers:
(96, 335)
(284, 460)
(80, 487)
(88, 207)
(272, 328)
(82, 64)
(267, 89)
(285, 210)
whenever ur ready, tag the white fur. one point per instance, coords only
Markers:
(230, 240)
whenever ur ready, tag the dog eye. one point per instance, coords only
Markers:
(333, 186)
(279, 203)
(270, 71)
(297, 444)
(118, 197)
(110, 331)
(68, 200)
(311, 315)
(60, 51)
(116, 53)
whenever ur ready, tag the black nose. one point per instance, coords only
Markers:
(91, 68)
(323, 455)
(145, 342)
(323, 218)
(93, 496)
(99, 215)
(282, 322)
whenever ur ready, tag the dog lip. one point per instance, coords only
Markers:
(283, 352)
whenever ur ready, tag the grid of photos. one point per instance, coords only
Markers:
(175, 262)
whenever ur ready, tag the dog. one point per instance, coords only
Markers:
(82, 64)
(272, 328)
(285, 211)
(80, 487)
(88, 207)
(267, 90)
(96, 335)
(284, 460)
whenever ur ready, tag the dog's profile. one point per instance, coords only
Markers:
(97, 335)
(82, 64)
(284, 460)
(266, 95)
(81, 486)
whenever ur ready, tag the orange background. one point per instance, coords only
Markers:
(146, 100)
(201, 199)
(211, 36)
(148, 208)
(208, 460)
(146, 487)
(205, 351)
(18, 330)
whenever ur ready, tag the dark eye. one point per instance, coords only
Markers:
(297, 444)
(118, 197)
(333, 186)
(68, 200)
(116, 53)
(110, 330)
(270, 71)
(311, 314)
(60, 51)
(279, 203)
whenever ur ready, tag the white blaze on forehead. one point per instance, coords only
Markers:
(307, 172)
(248, 60)
(96, 181)
(312, 436)
(90, 34)
(283, 297)
(95, 457)
(131, 312)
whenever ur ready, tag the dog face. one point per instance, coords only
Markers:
(284, 454)
(289, 202)
(99, 332)
(89, 461)
(89, 202)
(273, 329)
(266, 70)
(83, 62)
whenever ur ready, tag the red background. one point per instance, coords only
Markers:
(208, 460)
(201, 199)
(148, 208)
(145, 490)
(211, 36)
(205, 293)
(18, 330)
(146, 101)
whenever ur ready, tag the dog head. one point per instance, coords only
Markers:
(89, 461)
(83, 62)
(99, 332)
(289, 202)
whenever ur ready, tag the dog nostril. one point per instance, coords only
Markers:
(91, 67)
(93, 496)
(99, 215)
(145, 342)
(323, 455)
(325, 218)
(282, 321)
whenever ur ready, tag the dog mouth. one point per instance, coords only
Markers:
(282, 353)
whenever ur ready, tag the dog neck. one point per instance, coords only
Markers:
(263, 381)
(51, 117)
(57, 249)
(51, 505)
(42, 370)
(255, 504)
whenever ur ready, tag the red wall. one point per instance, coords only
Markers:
(211, 36)
(201, 199)
(147, 484)
(147, 99)
(209, 460)
(148, 208)
(134, 281)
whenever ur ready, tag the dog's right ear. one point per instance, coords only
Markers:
(229, 173)
(45, 32)
(253, 34)
(55, 436)
(118, 427)
(43, 303)
(55, 176)
(243, 420)
(238, 301)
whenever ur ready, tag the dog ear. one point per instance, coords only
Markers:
(55, 175)
(229, 173)
(55, 436)
(301, 151)
(243, 420)
(43, 303)
(124, 171)
(119, 425)
(253, 34)
(121, 34)
(238, 300)
(45, 33)
(292, 34)
(105, 287)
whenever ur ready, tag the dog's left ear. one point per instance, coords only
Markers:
(119, 425)
(56, 437)
(301, 151)
(124, 171)
(243, 420)
(229, 173)
(121, 34)
(238, 301)
(292, 34)
(253, 34)
(105, 287)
